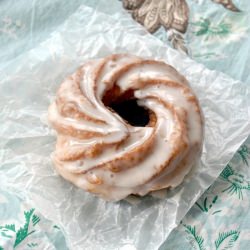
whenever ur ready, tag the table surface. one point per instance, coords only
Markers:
(215, 36)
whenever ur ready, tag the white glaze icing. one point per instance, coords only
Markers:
(101, 153)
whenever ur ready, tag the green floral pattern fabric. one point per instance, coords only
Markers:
(23, 227)
(215, 33)
(220, 218)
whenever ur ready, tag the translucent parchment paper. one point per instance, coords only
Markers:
(27, 87)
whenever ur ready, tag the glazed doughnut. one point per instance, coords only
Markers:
(101, 152)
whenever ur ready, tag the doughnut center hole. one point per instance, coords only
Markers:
(130, 111)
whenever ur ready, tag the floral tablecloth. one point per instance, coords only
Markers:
(213, 32)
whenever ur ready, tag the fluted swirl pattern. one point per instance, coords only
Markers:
(100, 152)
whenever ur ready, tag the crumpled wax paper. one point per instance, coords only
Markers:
(28, 85)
